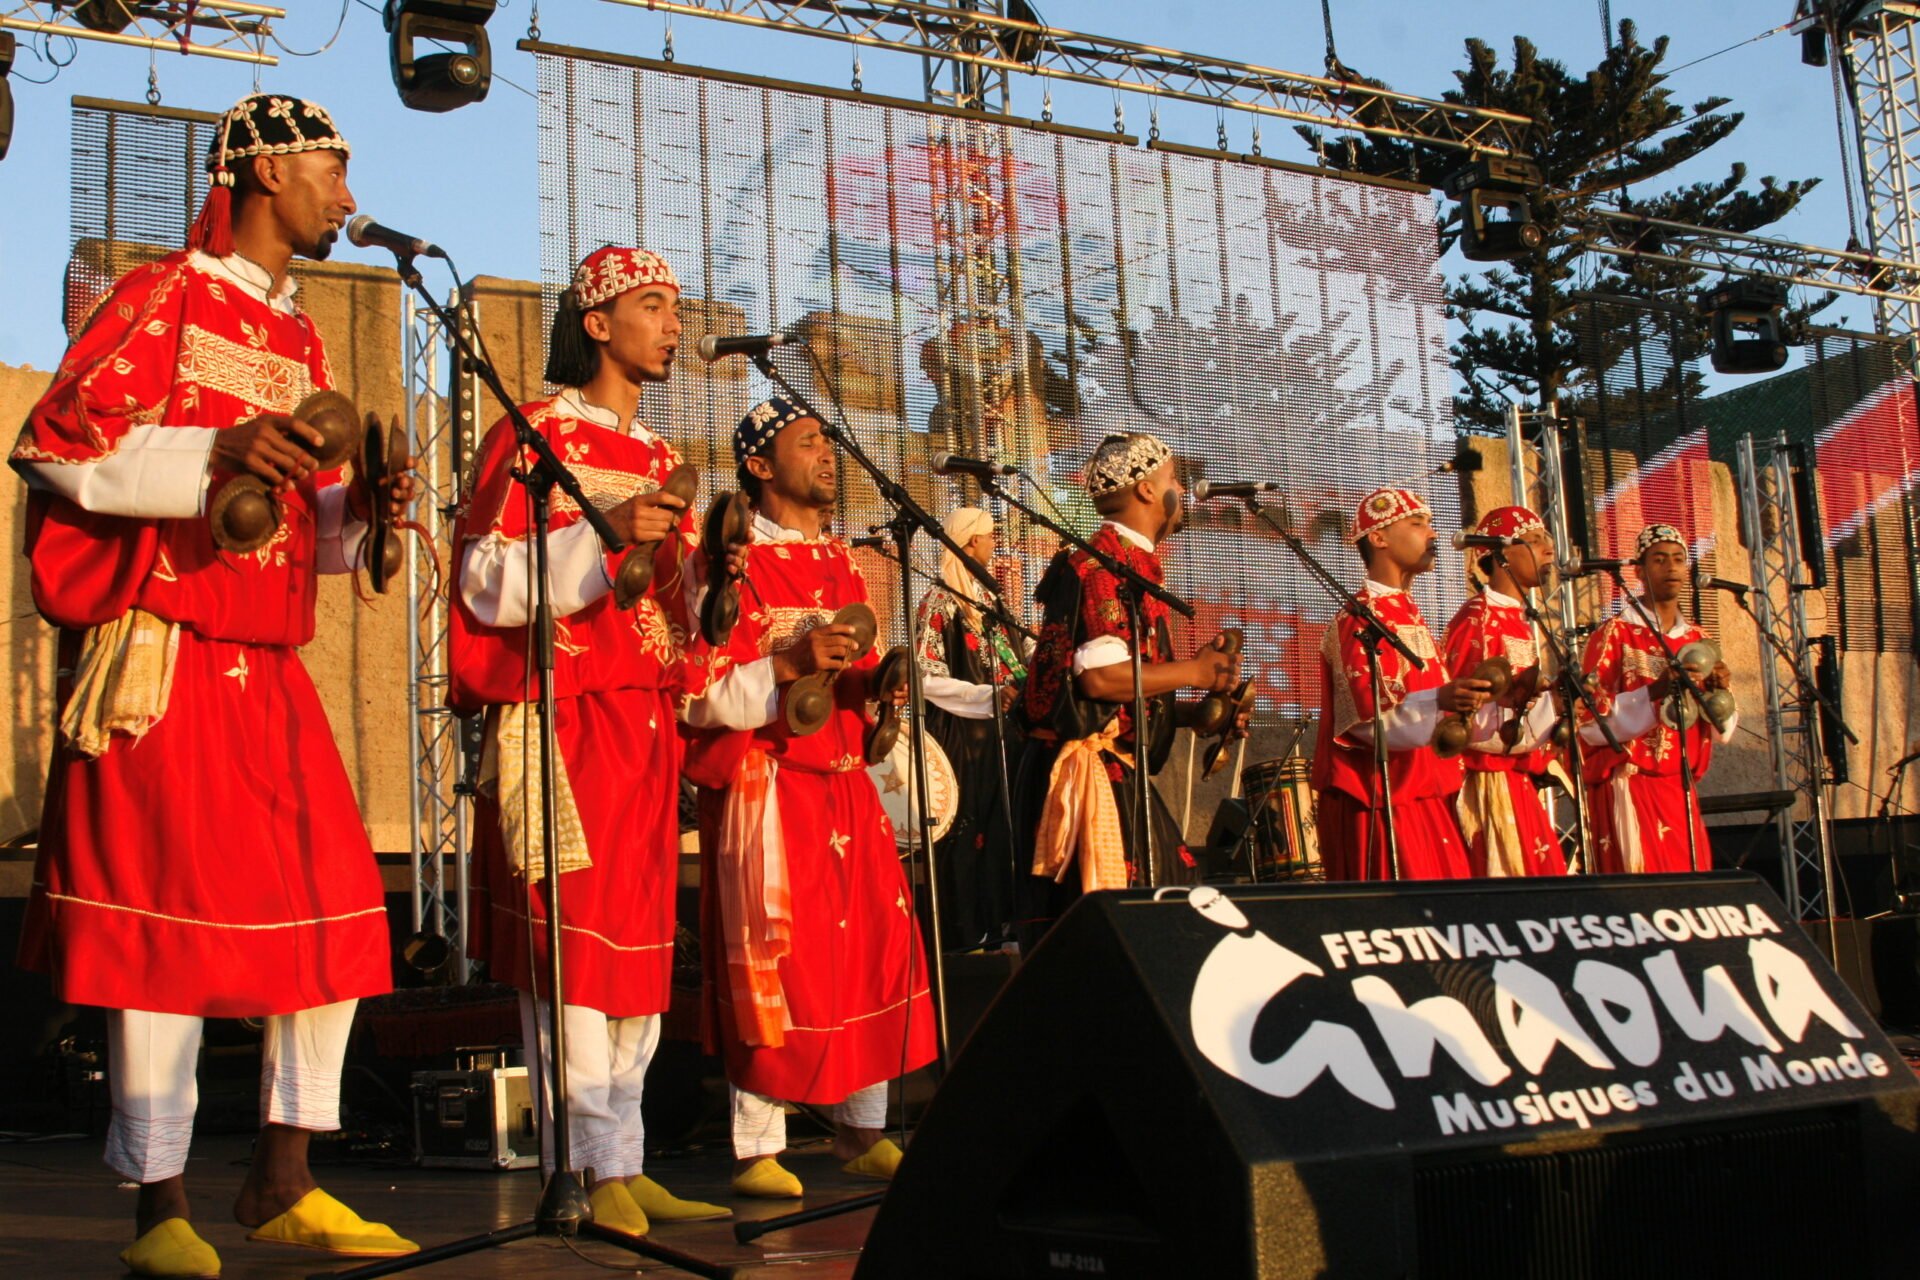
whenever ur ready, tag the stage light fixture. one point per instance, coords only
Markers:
(446, 79)
(6, 92)
(1748, 331)
(1493, 185)
(109, 17)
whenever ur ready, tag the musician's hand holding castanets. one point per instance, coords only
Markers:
(273, 447)
(825, 648)
(1215, 668)
(647, 517)
(1465, 695)
(402, 488)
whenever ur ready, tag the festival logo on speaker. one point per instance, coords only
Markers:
(1564, 1009)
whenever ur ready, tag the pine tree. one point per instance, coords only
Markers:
(1599, 139)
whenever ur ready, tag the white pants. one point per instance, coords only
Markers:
(150, 1070)
(760, 1123)
(606, 1065)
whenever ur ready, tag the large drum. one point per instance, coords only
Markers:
(1283, 842)
(893, 778)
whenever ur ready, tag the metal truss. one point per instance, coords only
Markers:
(1539, 482)
(968, 85)
(442, 431)
(231, 29)
(1887, 280)
(1877, 75)
(1793, 719)
(981, 38)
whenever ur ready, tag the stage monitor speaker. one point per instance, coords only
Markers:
(1586, 1077)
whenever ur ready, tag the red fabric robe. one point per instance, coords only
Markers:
(616, 676)
(1480, 631)
(1352, 835)
(216, 866)
(855, 979)
(1636, 802)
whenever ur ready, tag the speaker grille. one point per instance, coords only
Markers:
(1713, 1201)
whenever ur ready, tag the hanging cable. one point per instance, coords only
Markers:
(1326, 23)
(1846, 103)
(338, 27)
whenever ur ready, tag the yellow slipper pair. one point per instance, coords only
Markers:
(767, 1179)
(174, 1250)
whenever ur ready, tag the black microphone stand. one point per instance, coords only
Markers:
(564, 1210)
(1134, 589)
(993, 611)
(1573, 682)
(909, 517)
(1689, 798)
(1816, 741)
(1373, 633)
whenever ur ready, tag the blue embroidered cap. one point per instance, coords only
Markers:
(762, 423)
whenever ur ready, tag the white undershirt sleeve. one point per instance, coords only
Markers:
(1408, 725)
(1632, 716)
(493, 575)
(745, 697)
(338, 537)
(957, 697)
(155, 473)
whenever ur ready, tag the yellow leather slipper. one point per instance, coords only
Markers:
(766, 1180)
(318, 1221)
(614, 1209)
(881, 1160)
(172, 1248)
(662, 1205)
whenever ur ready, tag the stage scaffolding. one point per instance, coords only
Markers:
(442, 425)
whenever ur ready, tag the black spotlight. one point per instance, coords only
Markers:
(109, 17)
(1495, 185)
(6, 92)
(1748, 334)
(447, 79)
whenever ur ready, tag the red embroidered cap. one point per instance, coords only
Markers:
(1510, 522)
(607, 273)
(1383, 507)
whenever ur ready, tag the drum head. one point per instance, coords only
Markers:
(893, 779)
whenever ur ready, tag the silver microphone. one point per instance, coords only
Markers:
(368, 234)
(1233, 488)
(1485, 541)
(955, 464)
(713, 347)
(1586, 566)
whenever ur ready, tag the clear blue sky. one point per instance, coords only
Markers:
(467, 178)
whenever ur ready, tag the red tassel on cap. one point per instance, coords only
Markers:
(212, 231)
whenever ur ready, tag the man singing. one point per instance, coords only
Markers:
(1076, 799)
(1506, 826)
(201, 852)
(1393, 532)
(816, 977)
(616, 674)
(1638, 801)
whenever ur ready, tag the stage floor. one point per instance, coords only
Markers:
(64, 1214)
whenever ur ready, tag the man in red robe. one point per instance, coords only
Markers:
(1638, 802)
(817, 988)
(201, 852)
(1393, 532)
(616, 674)
(1506, 826)
(1076, 803)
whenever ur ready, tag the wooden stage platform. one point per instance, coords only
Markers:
(64, 1214)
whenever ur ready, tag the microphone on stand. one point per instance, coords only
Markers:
(1586, 566)
(1233, 489)
(954, 464)
(1706, 583)
(877, 542)
(713, 347)
(368, 234)
(1484, 541)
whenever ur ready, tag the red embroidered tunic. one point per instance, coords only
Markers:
(616, 675)
(854, 979)
(1637, 801)
(216, 866)
(1423, 784)
(1483, 630)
